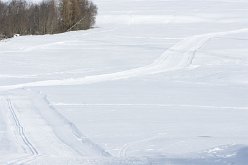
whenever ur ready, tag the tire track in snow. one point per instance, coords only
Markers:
(177, 57)
(34, 152)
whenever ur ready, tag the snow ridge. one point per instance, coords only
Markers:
(65, 130)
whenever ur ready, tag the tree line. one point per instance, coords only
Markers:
(47, 17)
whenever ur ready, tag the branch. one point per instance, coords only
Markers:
(75, 24)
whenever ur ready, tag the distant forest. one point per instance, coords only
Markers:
(47, 17)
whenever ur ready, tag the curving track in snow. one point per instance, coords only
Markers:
(177, 57)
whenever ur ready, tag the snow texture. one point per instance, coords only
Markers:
(155, 82)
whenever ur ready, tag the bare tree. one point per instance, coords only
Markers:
(18, 16)
(77, 14)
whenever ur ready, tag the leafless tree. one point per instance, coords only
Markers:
(47, 17)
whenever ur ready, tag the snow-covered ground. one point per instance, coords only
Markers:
(156, 82)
